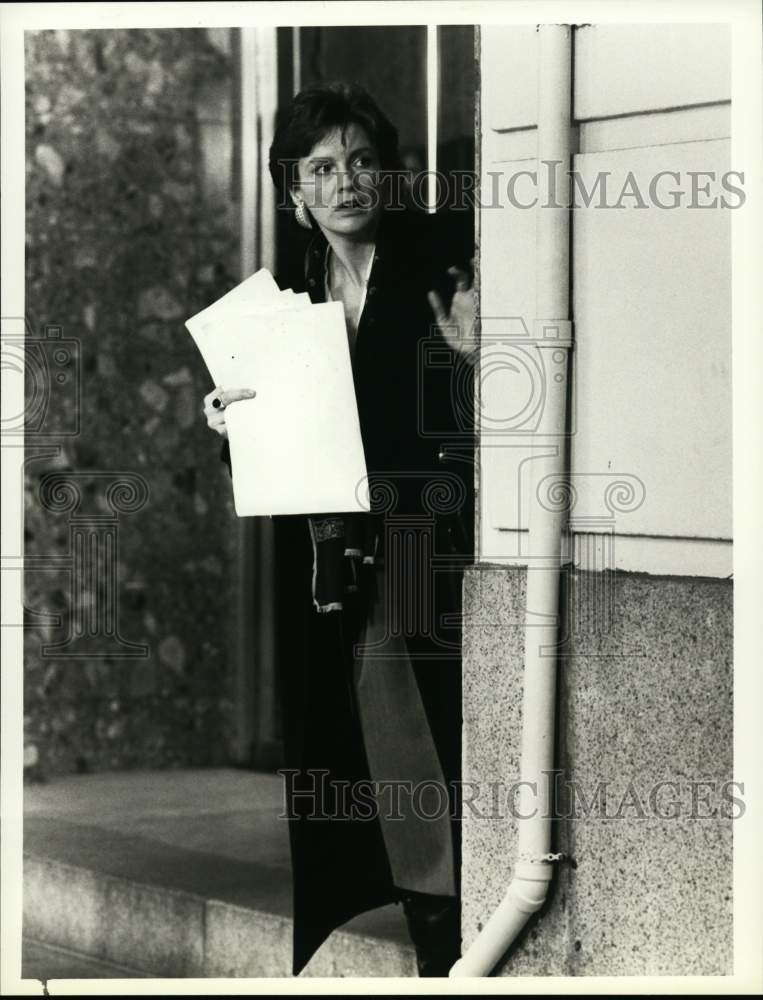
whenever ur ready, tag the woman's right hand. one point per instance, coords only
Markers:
(216, 414)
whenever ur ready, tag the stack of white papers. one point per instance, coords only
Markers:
(296, 448)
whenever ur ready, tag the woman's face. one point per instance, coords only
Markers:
(339, 183)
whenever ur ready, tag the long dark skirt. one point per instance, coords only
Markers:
(353, 716)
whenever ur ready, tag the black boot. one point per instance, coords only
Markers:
(434, 924)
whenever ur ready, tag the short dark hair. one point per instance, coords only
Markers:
(318, 110)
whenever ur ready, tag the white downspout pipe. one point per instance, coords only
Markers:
(533, 868)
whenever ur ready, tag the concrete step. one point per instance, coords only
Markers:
(46, 962)
(178, 874)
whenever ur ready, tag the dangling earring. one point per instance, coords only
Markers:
(300, 213)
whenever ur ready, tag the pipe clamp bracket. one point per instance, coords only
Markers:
(559, 858)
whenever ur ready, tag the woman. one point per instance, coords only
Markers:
(369, 674)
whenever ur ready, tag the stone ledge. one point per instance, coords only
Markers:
(46, 962)
(181, 874)
(169, 933)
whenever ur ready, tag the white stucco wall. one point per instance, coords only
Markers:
(651, 399)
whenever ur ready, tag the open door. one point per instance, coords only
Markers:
(425, 80)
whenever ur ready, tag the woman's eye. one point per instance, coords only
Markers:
(323, 168)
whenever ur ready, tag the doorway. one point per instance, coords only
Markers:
(425, 80)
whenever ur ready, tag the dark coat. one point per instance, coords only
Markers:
(416, 435)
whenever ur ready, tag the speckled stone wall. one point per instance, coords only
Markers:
(644, 698)
(132, 226)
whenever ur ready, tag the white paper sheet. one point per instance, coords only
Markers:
(296, 448)
(257, 291)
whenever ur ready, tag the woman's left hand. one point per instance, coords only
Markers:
(457, 327)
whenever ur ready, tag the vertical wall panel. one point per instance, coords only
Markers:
(509, 77)
(652, 395)
(632, 68)
(653, 348)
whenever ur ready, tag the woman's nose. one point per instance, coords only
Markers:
(364, 186)
(346, 180)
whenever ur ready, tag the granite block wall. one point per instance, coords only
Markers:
(645, 804)
(132, 226)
